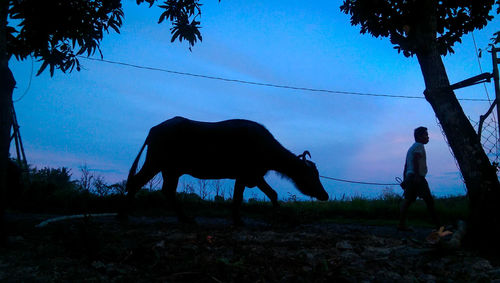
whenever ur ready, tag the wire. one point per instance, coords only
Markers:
(29, 84)
(264, 84)
(480, 66)
(357, 182)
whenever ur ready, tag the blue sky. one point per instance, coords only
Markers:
(100, 116)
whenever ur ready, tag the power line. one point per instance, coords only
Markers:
(264, 84)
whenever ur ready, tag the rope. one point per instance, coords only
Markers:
(359, 182)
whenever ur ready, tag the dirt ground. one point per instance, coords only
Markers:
(159, 249)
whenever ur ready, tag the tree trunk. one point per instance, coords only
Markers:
(483, 187)
(7, 84)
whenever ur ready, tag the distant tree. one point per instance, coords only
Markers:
(203, 191)
(101, 188)
(59, 178)
(56, 32)
(428, 29)
(119, 188)
(86, 179)
(188, 187)
(218, 189)
(154, 183)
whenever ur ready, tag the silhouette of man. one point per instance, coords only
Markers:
(414, 174)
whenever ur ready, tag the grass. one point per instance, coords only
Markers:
(52, 191)
(382, 211)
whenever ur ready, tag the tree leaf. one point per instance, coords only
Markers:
(162, 17)
(52, 67)
(43, 67)
(175, 35)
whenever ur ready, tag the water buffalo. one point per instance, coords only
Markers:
(234, 149)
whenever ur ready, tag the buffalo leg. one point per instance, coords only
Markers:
(239, 188)
(169, 189)
(270, 193)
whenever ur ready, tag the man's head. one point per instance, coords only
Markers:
(421, 135)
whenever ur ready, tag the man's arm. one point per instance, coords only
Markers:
(416, 163)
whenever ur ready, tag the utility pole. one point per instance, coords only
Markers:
(496, 102)
(496, 61)
(16, 136)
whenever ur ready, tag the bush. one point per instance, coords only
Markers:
(53, 190)
(39, 187)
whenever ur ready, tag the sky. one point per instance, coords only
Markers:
(100, 116)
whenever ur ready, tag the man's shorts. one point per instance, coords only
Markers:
(417, 187)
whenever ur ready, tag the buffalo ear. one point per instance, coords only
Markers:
(304, 155)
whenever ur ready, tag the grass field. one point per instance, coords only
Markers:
(52, 191)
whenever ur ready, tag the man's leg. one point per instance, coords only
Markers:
(403, 212)
(429, 201)
(409, 197)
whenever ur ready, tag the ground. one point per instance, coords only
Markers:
(159, 249)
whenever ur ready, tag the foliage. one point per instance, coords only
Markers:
(93, 183)
(496, 38)
(57, 31)
(405, 22)
(53, 190)
(57, 177)
(183, 15)
(42, 187)
(119, 188)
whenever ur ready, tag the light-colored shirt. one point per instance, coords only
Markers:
(421, 170)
